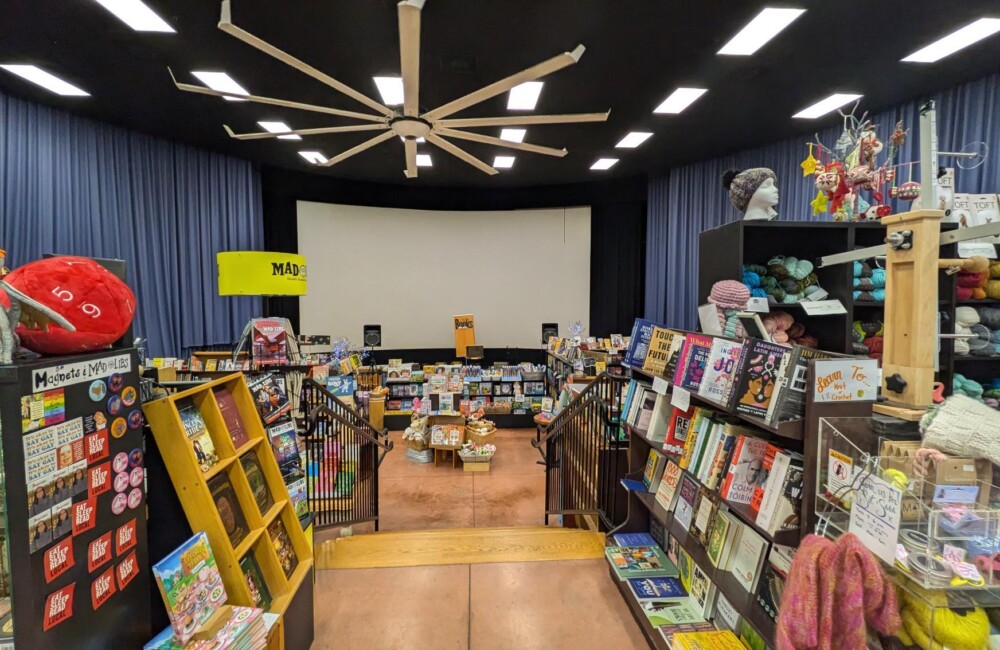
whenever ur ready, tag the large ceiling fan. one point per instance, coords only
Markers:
(435, 125)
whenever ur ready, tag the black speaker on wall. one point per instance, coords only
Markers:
(549, 330)
(373, 336)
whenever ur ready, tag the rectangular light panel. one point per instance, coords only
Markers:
(391, 89)
(523, 97)
(824, 106)
(633, 139)
(48, 81)
(765, 26)
(971, 33)
(314, 157)
(503, 162)
(604, 163)
(513, 135)
(279, 127)
(679, 100)
(222, 82)
(136, 15)
(424, 160)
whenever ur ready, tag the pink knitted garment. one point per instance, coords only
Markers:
(835, 590)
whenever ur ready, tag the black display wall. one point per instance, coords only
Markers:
(618, 228)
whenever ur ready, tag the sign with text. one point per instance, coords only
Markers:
(260, 273)
(823, 307)
(680, 398)
(846, 380)
(465, 333)
(875, 517)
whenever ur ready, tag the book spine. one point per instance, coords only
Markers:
(719, 465)
(779, 395)
(758, 490)
(708, 456)
(736, 456)
(689, 444)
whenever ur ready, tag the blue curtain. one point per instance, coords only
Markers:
(70, 185)
(690, 199)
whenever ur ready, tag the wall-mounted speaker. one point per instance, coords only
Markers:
(549, 330)
(373, 336)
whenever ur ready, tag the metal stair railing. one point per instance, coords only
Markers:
(343, 455)
(585, 459)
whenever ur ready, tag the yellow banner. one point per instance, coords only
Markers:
(258, 273)
(465, 333)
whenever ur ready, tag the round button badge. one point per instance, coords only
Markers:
(128, 395)
(135, 477)
(121, 481)
(135, 419)
(114, 405)
(134, 498)
(118, 503)
(118, 427)
(120, 463)
(116, 382)
(98, 389)
(135, 458)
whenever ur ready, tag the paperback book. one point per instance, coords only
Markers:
(642, 332)
(672, 612)
(271, 400)
(714, 640)
(666, 492)
(258, 485)
(758, 376)
(639, 561)
(229, 509)
(670, 631)
(705, 511)
(702, 591)
(720, 370)
(748, 558)
(197, 434)
(745, 470)
(231, 416)
(693, 361)
(634, 539)
(723, 540)
(653, 472)
(284, 442)
(283, 547)
(656, 588)
(658, 352)
(191, 586)
(789, 399)
(270, 341)
(687, 496)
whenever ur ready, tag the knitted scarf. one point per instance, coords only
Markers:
(835, 590)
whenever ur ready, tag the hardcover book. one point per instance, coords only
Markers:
(672, 612)
(658, 352)
(748, 558)
(231, 416)
(758, 376)
(693, 361)
(191, 586)
(723, 539)
(750, 638)
(255, 477)
(656, 588)
(230, 512)
(197, 434)
(283, 547)
(259, 592)
(269, 397)
(642, 332)
(654, 470)
(773, 579)
(688, 494)
(765, 471)
(707, 507)
(639, 561)
(720, 371)
(783, 493)
(666, 493)
(745, 470)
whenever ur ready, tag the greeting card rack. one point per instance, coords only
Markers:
(191, 484)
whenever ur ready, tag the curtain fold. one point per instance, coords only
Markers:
(689, 199)
(74, 186)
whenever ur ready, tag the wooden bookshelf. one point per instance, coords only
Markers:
(192, 489)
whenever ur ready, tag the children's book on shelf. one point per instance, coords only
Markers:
(228, 506)
(191, 586)
(197, 434)
(677, 430)
(725, 535)
(693, 361)
(651, 476)
(259, 592)
(758, 376)
(634, 539)
(789, 399)
(672, 612)
(702, 591)
(748, 558)
(284, 441)
(720, 370)
(231, 416)
(342, 385)
(714, 640)
(642, 332)
(656, 588)
(298, 496)
(639, 561)
(686, 501)
(782, 493)
(283, 547)
(744, 469)
(211, 365)
(269, 397)
(666, 492)
(255, 477)
(772, 584)
(765, 472)
(269, 341)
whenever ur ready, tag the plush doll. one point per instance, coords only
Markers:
(63, 305)
(729, 297)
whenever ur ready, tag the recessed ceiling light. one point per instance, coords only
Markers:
(523, 97)
(955, 41)
(36, 75)
(279, 127)
(424, 160)
(679, 100)
(633, 139)
(513, 135)
(314, 157)
(136, 15)
(824, 106)
(604, 163)
(391, 89)
(765, 26)
(222, 82)
(503, 162)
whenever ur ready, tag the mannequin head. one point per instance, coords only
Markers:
(754, 192)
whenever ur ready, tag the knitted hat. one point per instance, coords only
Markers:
(742, 185)
(964, 427)
(729, 293)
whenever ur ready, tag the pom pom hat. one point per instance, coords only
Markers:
(742, 185)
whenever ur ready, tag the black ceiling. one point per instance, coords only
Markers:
(638, 51)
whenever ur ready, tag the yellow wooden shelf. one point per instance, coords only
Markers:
(275, 510)
(219, 467)
(248, 446)
(280, 604)
(247, 542)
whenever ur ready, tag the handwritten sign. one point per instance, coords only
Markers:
(846, 380)
(680, 398)
(660, 385)
(823, 307)
(875, 517)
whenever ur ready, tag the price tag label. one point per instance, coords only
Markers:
(758, 305)
(818, 295)
(983, 249)
(823, 307)
(680, 398)
(660, 385)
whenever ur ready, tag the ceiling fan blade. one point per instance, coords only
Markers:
(367, 144)
(410, 146)
(513, 120)
(201, 90)
(488, 139)
(460, 154)
(534, 72)
(226, 25)
(320, 131)
(409, 54)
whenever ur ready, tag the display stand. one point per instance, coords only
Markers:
(291, 595)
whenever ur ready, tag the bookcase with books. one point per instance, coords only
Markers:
(225, 473)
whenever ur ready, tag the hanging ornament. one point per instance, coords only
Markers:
(819, 203)
(908, 191)
(809, 164)
(898, 136)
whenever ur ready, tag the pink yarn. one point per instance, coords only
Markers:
(777, 324)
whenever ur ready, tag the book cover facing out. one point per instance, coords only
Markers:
(759, 374)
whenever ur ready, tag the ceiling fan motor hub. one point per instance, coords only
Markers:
(410, 127)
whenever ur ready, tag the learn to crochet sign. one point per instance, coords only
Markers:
(846, 380)
(875, 516)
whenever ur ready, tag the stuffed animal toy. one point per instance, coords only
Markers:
(63, 305)
(729, 297)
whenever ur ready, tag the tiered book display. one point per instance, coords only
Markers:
(585, 359)
(230, 487)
